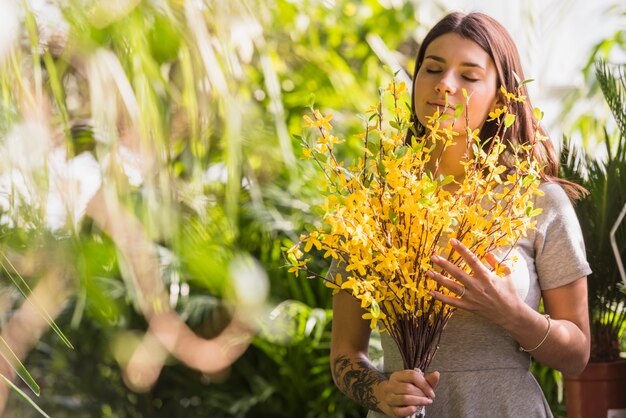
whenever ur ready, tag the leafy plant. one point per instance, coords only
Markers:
(606, 181)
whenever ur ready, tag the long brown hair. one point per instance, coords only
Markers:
(492, 37)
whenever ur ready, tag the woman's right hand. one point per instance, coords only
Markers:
(405, 392)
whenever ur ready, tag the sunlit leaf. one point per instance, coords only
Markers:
(23, 396)
(25, 290)
(17, 365)
(509, 119)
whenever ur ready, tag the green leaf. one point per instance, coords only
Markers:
(23, 287)
(458, 110)
(527, 180)
(538, 114)
(426, 202)
(509, 119)
(375, 309)
(292, 258)
(17, 365)
(394, 124)
(526, 81)
(393, 217)
(401, 151)
(447, 180)
(317, 210)
(429, 188)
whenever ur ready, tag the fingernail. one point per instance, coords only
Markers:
(454, 241)
(429, 401)
(434, 258)
(430, 273)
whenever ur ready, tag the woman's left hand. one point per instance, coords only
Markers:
(484, 292)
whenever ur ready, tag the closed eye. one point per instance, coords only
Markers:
(431, 71)
(470, 79)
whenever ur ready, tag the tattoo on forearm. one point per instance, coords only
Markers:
(356, 378)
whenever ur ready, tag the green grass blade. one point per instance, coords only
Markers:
(24, 396)
(25, 290)
(33, 34)
(59, 95)
(17, 365)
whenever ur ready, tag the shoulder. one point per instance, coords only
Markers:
(554, 202)
(558, 241)
(553, 195)
(557, 212)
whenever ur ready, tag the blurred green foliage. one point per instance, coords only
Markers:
(211, 92)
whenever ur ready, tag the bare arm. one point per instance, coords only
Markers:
(356, 376)
(568, 343)
(207, 355)
(352, 371)
(566, 347)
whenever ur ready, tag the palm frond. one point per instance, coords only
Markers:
(613, 85)
(606, 181)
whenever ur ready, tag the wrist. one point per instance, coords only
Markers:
(543, 340)
(518, 316)
(379, 394)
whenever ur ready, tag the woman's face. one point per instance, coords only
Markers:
(450, 64)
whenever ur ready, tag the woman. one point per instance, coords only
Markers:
(481, 368)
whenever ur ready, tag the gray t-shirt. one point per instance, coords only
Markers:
(483, 374)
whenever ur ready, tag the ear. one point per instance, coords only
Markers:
(498, 101)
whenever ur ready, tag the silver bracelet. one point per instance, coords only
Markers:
(545, 337)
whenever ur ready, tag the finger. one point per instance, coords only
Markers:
(470, 258)
(449, 284)
(495, 262)
(407, 411)
(456, 302)
(394, 400)
(417, 379)
(452, 269)
(433, 379)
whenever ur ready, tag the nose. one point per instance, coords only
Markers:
(445, 85)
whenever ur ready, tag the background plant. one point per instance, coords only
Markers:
(205, 97)
(606, 181)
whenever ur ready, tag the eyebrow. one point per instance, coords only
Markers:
(464, 64)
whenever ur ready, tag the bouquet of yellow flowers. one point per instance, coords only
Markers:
(388, 213)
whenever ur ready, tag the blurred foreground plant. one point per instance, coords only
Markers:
(151, 162)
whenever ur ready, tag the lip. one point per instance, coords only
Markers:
(439, 104)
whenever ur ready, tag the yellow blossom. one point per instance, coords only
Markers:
(496, 113)
(385, 212)
(306, 153)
